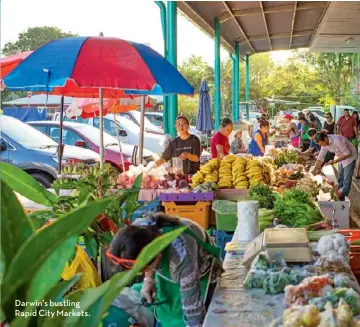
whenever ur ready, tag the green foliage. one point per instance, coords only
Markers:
(263, 195)
(34, 38)
(25, 185)
(35, 261)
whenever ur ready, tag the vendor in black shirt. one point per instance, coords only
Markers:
(186, 147)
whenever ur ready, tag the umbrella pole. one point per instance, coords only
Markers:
(61, 145)
(118, 136)
(101, 127)
(142, 127)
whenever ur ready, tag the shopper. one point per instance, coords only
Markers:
(260, 139)
(220, 146)
(329, 124)
(237, 145)
(346, 156)
(355, 115)
(182, 275)
(305, 126)
(347, 126)
(292, 131)
(314, 122)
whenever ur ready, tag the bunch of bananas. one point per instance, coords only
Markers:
(240, 180)
(74, 169)
(254, 172)
(269, 173)
(225, 172)
(208, 173)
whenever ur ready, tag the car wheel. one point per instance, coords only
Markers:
(43, 179)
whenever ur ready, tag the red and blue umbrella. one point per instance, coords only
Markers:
(97, 62)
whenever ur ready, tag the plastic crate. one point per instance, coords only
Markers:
(221, 238)
(225, 221)
(186, 197)
(198, 212)
(147, 208)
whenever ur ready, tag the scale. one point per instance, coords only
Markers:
(292, 244)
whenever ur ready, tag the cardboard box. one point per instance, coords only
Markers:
(336, 211)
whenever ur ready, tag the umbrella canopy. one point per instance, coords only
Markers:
(204, 121)
(97, 62)
(89, 108)
(10, 62)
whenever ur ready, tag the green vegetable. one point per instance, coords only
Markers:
(295, 209)
(254, 279)
(275, 283)
(316, 235)
(263, 195)
(297, 276)
(260, 262)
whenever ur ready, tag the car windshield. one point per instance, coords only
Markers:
(92, 134)
(27, 136)
(147, 122)
(128, 125)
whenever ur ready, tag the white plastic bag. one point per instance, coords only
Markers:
(247, 227)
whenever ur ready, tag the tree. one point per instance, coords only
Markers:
(334, 72)
(33, 38)
(195, 70)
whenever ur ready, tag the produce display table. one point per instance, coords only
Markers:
(232, 306)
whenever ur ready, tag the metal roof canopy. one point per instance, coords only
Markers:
(262, 26)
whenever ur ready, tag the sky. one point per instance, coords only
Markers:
(135, 20)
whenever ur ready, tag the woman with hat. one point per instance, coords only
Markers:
(237, 145)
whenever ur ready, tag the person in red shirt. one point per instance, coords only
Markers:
(220, 146)
(347, 126)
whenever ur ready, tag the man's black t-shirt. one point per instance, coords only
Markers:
(179, 146)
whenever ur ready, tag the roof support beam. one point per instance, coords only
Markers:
(276, 36)
(238, 24)
(266, 26)
(292, 24)
(273, 9)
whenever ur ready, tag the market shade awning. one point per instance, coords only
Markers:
(97, 62)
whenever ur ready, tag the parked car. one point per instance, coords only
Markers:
(25, 147)
(86, 136)
(129, 132)
(319, 111)
(135, 117)
(156, 118)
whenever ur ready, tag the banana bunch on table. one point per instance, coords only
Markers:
(225, 172)
(240, 180)
(269, 173)
(208, 173)
(254, 172)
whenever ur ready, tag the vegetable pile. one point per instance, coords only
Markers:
(263, 195)
(295, 209)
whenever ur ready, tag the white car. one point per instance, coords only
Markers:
(135, 117)
(156, 118)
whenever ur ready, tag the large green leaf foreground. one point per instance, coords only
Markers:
(32, 261)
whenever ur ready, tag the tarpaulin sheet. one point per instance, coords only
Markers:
(26, 114)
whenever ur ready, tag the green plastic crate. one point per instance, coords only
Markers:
(225, 215)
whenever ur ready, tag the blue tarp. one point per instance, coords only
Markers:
(26, 114)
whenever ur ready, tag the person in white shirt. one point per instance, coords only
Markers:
(346, 155)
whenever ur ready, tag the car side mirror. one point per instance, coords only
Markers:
(3, 147)
(122, 133)
(80, 144)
